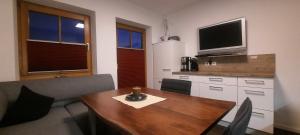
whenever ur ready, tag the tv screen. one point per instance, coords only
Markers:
(221, 36)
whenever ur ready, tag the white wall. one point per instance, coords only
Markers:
(273, 27)
(106, 12)
(9, 67)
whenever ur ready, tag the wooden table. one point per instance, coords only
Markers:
(179, 114)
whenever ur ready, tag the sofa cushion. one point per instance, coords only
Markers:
(29, 106)
(57, 122)
(60, 88)
(3, 105)
(79, 113)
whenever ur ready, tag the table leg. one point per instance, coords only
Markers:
(92, 119)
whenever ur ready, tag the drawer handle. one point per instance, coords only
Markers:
(216, 88)
(159, 81)
(253, 92)
(255, 82)
(183, 77)
(216, 79)
(166, 69)
(257, 114)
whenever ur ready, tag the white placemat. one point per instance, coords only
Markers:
(140, 104)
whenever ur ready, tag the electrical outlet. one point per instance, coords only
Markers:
(214, 63)
(206, 63)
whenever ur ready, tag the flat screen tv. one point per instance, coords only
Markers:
(223, 38)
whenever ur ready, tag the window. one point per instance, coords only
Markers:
(53, 42)
(130, 37)
(123, 38)
(136, 40)
(43, 26)
(72, 30)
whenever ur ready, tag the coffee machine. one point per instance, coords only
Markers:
(186, 63)
(189, 64)
(194, 64)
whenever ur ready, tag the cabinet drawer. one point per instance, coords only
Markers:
(221, 92)
(218, 80)
(230, 115)
(261, 98)
(256, 82)
(182, 77)
(194, 78)
(262, 120)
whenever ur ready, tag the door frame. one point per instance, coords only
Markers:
(135, 29)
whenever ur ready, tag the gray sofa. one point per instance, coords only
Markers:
(68, 115)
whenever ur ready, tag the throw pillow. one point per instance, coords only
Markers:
(28, 107)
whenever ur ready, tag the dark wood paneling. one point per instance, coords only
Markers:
(179, 114)
(131, 68)
(44, 56)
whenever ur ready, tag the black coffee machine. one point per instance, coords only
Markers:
(189, 64)
(186, 63)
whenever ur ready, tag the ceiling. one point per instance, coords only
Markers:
(164, 6)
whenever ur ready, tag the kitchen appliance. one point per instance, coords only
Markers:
(194, 64)
(223, 38)
(186, 63)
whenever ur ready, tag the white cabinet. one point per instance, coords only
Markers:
(166, 59)
(221, 88)
(213, 87)
(220, 92)
(195, 89)
(237, 89)
(256, 82)
(230, 115)
(219, 80)
(261, 98)
(262, 120)
(261, 93)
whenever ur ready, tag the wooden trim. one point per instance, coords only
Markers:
(129, 27)
(135, 29)
(24, 36)
(145, 57)
(87, 33)
(132, 29)
(59, 29)
(23, 10)
(53, 11)
(130, 39)
(33, 76)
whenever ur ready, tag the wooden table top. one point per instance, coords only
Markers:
(178, 114)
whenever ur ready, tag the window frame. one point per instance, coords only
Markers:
(131, 29)
(23, 34)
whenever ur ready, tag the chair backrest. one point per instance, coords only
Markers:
(241, 119)
(178, 86)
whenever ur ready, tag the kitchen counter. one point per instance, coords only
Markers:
(262, 75)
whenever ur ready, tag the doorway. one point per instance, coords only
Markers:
(131, 56)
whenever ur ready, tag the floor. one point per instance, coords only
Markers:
(218, 130)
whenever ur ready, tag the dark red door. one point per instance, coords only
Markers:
(131, 68)
(131, 56)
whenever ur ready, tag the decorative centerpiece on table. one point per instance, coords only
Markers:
(136, 95)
